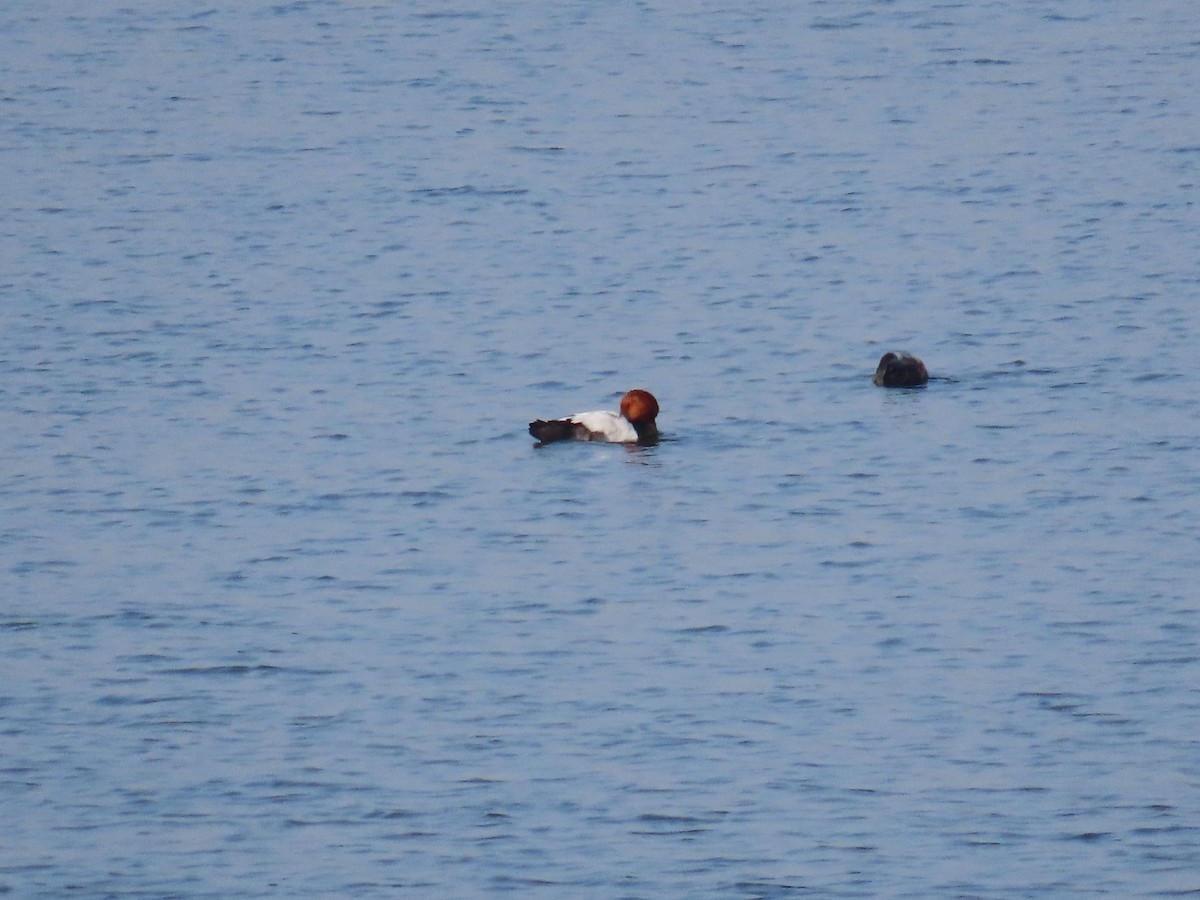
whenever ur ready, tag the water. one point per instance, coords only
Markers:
(293, 607)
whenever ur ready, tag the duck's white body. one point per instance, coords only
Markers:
(603, 425)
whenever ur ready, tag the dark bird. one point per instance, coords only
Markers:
(900, 370)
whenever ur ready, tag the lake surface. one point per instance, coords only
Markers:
(290, 604)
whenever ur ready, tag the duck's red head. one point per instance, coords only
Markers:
(641, 409)
(639, 406)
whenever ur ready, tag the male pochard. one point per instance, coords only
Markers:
(634, 423)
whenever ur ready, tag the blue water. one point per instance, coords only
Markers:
(290, 605)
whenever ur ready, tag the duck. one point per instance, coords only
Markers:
(634, 424)
(900, 370)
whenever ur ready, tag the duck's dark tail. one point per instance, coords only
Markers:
(557, 430)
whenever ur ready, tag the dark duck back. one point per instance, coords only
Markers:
(557, 430)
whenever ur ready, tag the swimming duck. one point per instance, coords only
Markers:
(633, 424)
(900, 370)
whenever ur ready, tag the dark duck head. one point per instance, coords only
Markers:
(900, 370)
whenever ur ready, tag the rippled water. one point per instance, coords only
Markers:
(292, 606)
